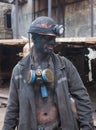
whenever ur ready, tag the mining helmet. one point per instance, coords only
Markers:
(46, 26)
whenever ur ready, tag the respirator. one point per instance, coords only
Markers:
(40, 76)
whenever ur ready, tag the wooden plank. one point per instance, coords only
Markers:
(14, 42)
(4, 96)
(88, 40)
(71, 40)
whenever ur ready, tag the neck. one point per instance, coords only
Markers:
(39, 57)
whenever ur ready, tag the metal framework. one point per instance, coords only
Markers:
(4, 1)
(61, 11)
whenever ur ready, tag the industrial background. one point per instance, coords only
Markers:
(77, 16)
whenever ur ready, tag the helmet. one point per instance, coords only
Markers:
(46, 26)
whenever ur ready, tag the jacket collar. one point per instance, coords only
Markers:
(28, 61)
(59, 62)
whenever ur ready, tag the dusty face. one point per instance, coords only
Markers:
(43, 43)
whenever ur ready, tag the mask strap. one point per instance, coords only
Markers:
(29, 40)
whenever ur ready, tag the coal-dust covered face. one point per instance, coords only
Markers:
(43, 43)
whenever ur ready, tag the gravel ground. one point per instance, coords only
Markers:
(3, 92)
(2, 114)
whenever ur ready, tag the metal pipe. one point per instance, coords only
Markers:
(58, 11)
(61, 13)
(17, 32)
(64, 18)
(49, 8)
(34, 9)
(92, 20)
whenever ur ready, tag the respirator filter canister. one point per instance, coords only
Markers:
(40, 76)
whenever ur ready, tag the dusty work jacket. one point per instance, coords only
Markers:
(21, 105)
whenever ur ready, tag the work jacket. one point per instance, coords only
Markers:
(21, 106)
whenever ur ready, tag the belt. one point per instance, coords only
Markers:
(54, 125)
(57, 128)
(49, 128)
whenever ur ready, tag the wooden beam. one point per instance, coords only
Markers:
(71, 41)
(78, 40)
(14, 42)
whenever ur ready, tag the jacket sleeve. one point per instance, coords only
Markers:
(81, 96)
(12, 110)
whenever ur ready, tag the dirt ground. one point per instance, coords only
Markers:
(3, 92)
(92, 93)
(2, 114)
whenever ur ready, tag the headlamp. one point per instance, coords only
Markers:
(58, 29)
(53, 30)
